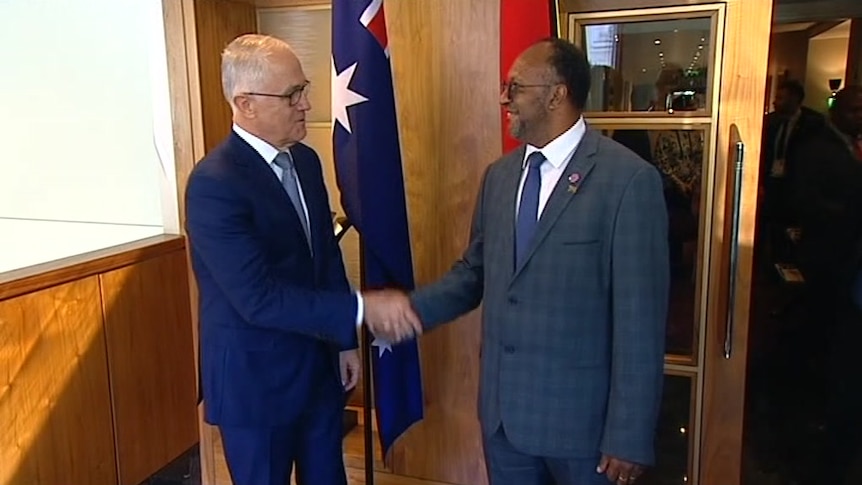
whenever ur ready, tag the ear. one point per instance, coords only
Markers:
(244, 105)
(558, 96)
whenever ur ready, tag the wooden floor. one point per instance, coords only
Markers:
(354, 460)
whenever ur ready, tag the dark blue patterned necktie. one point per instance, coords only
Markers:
(528, 209)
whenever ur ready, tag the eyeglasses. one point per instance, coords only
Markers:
(513, 88)
(293, 96)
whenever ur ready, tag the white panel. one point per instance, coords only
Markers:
(308, 30)
(827, 59)
(80, 110)
(36, 242)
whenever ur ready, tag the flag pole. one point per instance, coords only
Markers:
(554, 9)
(367, 396)
(366, 409)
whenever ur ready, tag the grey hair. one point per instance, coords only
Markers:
(244, 63)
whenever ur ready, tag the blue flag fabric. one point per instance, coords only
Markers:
(369, 174)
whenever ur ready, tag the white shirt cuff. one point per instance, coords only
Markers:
(360, 309)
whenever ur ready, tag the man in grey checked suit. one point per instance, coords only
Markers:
(568, 252)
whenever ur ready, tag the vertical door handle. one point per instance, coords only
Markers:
(734, 248)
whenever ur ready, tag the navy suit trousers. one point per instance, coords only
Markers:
(266, 456)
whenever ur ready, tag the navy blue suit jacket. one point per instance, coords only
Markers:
(273, 317)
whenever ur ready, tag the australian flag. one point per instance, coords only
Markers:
(368, 169)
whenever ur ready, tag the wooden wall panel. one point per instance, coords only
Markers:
(445, 62)
(187, 116)
(151, 357)
(55, 412)
(853, 73)
(184, 84)
(217, 22)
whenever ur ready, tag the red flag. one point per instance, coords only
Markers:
(522, 22)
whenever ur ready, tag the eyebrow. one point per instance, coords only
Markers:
(295, 87)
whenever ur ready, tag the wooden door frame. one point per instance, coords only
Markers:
(746, 52)
(740, 78)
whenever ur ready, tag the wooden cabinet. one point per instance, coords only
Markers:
(97, 371)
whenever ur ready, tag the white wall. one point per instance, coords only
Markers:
(827, 59)
(85, 124)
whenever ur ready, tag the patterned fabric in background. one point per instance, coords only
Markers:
(678, 154)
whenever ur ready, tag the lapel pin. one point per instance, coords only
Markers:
(573, 182)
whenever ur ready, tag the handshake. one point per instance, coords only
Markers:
(390, 316)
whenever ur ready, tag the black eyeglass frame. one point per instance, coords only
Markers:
(293, 97)
(514, 87)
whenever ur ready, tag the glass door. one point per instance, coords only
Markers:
(677, 85)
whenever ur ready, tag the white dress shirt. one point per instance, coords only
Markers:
(557, 153)
(268, 153)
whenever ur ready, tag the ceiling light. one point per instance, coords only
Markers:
(657, 42)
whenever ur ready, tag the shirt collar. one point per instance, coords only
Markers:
(264, 149)
(561, 148)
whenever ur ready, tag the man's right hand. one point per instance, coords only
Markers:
(390, 316)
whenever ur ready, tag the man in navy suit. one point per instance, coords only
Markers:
(278, 319)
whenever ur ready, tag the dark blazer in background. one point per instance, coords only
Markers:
(779, 193)
(809, 122)
(272, 317)
(573, 339)
(828, 187)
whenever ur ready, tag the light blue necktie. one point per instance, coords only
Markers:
(288, 181)
(528, 209)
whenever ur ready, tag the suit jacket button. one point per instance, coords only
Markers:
(509, 349)
(513, 300)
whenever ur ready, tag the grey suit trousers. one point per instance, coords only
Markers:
(507, 465)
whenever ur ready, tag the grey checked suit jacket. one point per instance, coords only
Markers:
(573, 339)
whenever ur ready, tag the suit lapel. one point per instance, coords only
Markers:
(577, 170)
(266, 182)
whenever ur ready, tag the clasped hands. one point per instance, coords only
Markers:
(390, 316)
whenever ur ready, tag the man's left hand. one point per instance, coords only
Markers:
(619, 471)
(350, 368)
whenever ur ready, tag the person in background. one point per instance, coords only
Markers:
(278, 320)
(829, 184)
(783, 129)
(678, 155)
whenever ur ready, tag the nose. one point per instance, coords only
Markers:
(504, 96)
(304, 103)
